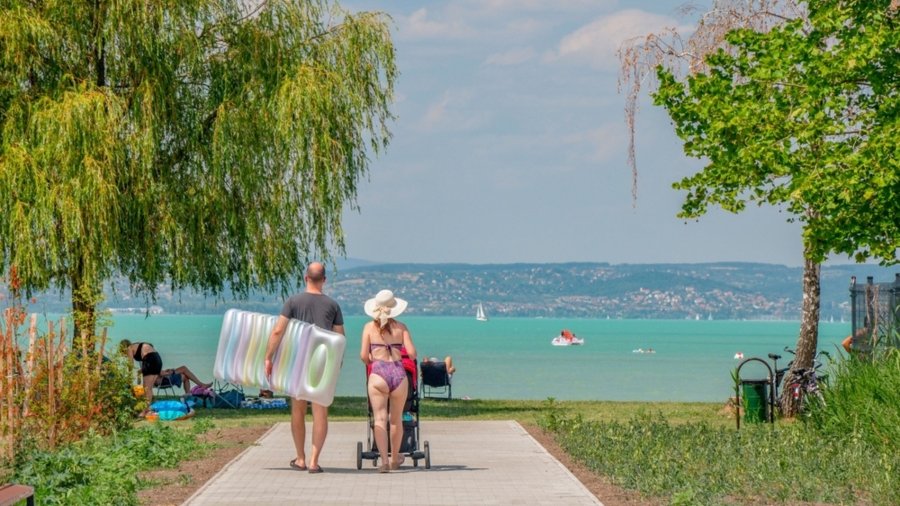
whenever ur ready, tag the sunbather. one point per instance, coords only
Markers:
(447, 361)
(151, 368)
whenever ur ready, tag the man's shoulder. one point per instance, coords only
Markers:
(309, 297)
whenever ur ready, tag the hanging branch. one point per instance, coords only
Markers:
(684, 54)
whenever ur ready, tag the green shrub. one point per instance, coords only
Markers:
(862, 400)
(89, 394)
(104, 470)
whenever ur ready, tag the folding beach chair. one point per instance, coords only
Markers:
(227, 395)
(167, 385)
(436, 381)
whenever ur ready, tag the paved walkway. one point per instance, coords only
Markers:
(492, 462)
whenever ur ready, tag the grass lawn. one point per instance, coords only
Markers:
(526, 412)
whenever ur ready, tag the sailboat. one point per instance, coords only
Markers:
(479, 313)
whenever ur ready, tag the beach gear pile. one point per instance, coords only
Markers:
(172, 410)
(257, 403)
(306, 364)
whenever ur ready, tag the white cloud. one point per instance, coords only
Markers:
(436, 112)
(607, 142)
(511, 57)
(453, 112)
(419, 25)
(597, 42)
(540, 5)
(490, 19)
(525, 27)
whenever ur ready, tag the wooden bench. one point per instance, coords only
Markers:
(11, 494)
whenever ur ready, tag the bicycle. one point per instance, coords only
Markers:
(804, 383)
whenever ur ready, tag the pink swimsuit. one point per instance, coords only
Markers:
(392, 372)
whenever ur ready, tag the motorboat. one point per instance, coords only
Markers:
(562, 341)
(566, 338)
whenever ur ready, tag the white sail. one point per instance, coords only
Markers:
(479, 313)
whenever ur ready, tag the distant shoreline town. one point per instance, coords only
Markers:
(137, 310)
(707, 291)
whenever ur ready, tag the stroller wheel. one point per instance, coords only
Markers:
(359, 455)
(427, 456)
(375, 462)
(415, 462)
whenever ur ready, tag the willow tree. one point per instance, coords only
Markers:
(209, 144)
(795, 104)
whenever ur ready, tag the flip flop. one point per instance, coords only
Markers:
(316, 470)
(295, 466)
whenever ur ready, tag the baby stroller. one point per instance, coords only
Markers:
(409, 445)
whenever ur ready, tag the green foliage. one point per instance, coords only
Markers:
(56, 392)
(862, 401)
(70, 396)
(103, 470)
(699, 464)
(846, 451)
(204, 143)
(806, 116)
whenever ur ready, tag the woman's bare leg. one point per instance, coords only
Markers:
(149, 382)
(398, 400)
(378, 398)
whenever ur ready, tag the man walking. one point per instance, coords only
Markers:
(310, 306)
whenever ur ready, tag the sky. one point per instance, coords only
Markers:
(510, 145)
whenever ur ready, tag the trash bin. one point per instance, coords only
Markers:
(754, 395)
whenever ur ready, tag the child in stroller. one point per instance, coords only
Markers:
(409, 444)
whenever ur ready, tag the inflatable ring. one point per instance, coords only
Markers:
(169, 411)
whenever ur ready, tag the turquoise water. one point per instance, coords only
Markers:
(512, 358)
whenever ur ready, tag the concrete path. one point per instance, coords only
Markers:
(492, 462)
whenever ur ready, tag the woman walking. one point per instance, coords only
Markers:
(382, 341)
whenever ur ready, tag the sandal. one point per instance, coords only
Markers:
(294, 465)
(315, 470)
(384, 468)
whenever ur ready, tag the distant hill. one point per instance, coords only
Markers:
(597, 290)
(724, 290)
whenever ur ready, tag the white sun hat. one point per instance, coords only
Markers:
(384, 306)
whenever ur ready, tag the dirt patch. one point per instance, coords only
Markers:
(173, 486)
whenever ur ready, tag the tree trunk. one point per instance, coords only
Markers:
(808, 340)
(84, 312)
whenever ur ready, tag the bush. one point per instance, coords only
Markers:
(104, 469)
(57, 391)
(93, 395)
(862, 400)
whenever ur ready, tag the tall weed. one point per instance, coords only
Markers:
(55, 390)
(862, 401)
